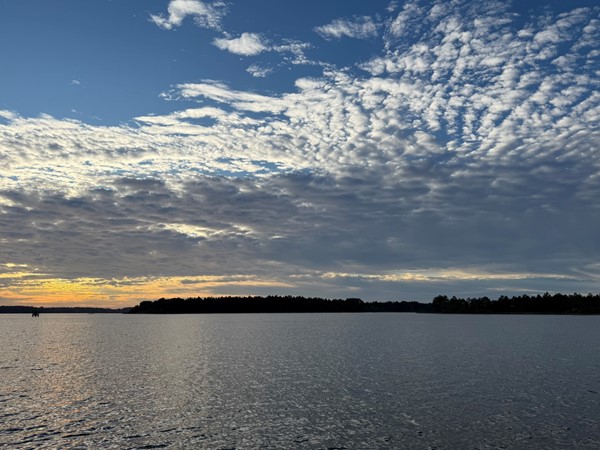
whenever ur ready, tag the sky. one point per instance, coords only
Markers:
(387, 150)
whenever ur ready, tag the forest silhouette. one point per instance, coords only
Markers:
(442, 304)
(524, 304)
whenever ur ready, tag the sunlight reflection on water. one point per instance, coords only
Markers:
(299, 380)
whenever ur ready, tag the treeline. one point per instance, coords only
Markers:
(522, 304)
(271, 304)
(14, 309)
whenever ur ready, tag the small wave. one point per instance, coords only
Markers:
(152, 446)
(85, 433)
(11, 430)
(134, 436)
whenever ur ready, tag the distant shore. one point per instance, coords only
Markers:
(539, 304)
(524, 304)
(16, 309)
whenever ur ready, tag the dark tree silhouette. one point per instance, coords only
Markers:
(540, 304)
(522, 304)
(271, 304)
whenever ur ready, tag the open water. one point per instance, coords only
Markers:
(300, 381)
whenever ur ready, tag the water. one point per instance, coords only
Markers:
(299, 381)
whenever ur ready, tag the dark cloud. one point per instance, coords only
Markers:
(294, 224)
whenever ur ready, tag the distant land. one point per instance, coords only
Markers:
(524, 304)
(9, 309)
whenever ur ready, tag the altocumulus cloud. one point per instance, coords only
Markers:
(462, 158)
(358, 28)
(207, 15)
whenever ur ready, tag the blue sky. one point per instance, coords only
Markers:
(387, 150)
(121, 61)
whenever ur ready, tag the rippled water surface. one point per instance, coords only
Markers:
(299, 381)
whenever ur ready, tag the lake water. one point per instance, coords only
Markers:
(300, 381)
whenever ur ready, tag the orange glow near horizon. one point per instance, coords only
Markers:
(119, 293)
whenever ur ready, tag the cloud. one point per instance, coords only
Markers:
(241, 100)
(252, 44)
(206, 15)
(248, 44)
(258, 71)
(444, 275)
(297, 49)
(358, 28)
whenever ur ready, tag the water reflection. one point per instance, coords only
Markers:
(300, 380)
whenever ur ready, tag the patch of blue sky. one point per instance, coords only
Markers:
(109, 63)
(120, 62)
(10, 177)
(234, 170)
(267, 167)
(201, 121)
(123, 173)
(219, 172)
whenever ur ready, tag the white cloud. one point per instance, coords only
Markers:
(359, 28)
(439, 275)
(197, 232)
(206, 15)
(296, 48)
(411, 12)
(258, 71)
(241, 100)
(248, 44)
(251, 44)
